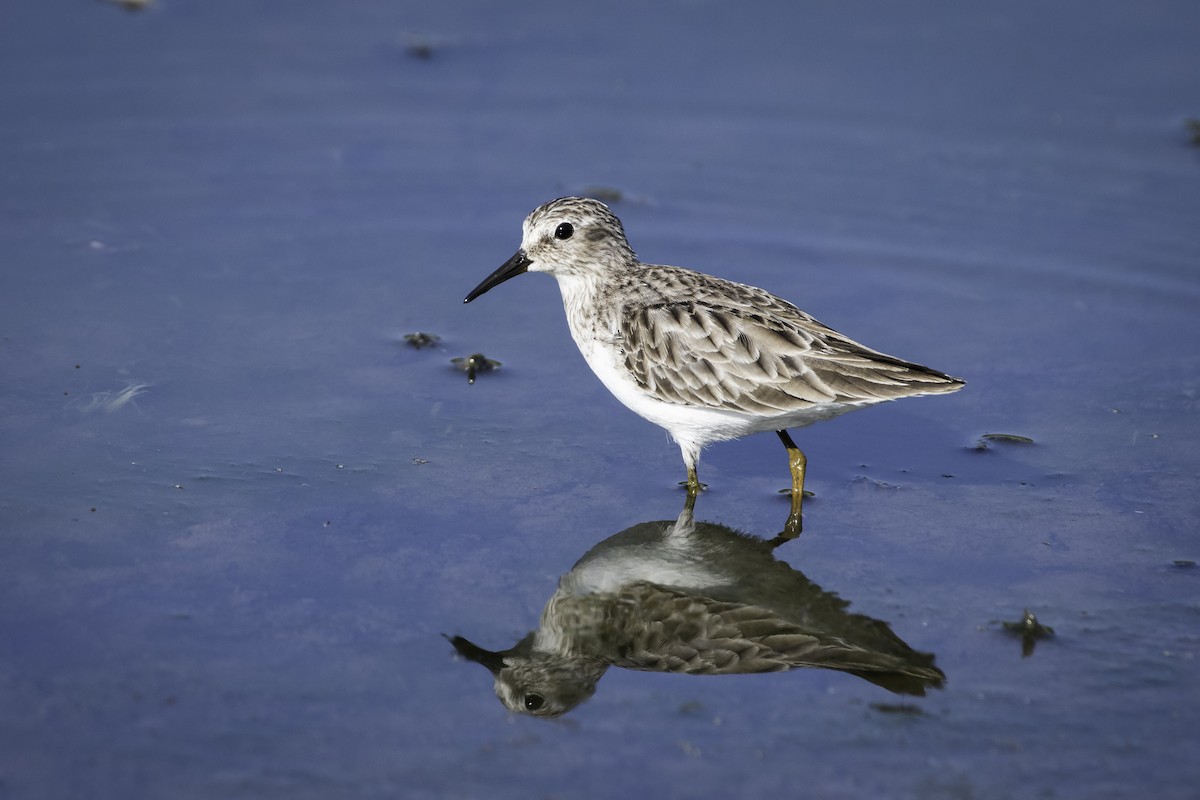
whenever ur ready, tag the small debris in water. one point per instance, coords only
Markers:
(863, 480)
(1193, 127)
(420, 340)
(1030, 630)
(419, 47)
(1184, 562)
(907, 709)
(1002, 438)
(472, 364)
(420, 461)
(131, 5)
(605, 194)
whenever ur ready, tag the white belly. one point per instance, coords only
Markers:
(692, 427)
(694, 424)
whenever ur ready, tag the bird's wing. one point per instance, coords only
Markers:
(740, 348)
(703, 639)
(676, 632)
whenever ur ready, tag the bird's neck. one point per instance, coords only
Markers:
(586, 301)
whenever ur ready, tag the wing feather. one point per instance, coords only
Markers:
(697, 635)
(739, 348)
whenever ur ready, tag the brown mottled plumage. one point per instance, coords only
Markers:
(697, 599)
(705, 358)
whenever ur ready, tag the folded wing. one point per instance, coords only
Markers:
(744, 349)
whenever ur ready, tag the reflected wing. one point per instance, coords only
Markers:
(736, 347)
(675, 632)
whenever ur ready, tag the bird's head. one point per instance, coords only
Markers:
(567, 237)
(535, 682)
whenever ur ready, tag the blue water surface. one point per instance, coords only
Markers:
(238, 511)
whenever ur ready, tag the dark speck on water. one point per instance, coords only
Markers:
(905, 709)
(1193, 127)
(473, 364)
(605, 194)
(421, 340)
(1001, 438)
(1030, 631)
(420, 48)
(132, 5)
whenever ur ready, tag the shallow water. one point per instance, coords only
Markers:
(239, 512)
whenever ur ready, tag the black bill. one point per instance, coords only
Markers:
(473, 652)
(510, 269)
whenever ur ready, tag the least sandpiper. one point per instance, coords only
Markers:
(697, 599)
(705, 358)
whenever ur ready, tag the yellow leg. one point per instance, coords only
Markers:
(694, 486)
(689, 505)
(797, 463)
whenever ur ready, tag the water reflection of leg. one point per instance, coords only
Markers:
(797, 463)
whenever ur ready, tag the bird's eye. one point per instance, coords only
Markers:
(564, 231)
(534, 701)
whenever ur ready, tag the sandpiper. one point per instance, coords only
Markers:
(694, 598)
(705, 358)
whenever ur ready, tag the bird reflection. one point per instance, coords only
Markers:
(694, 598)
